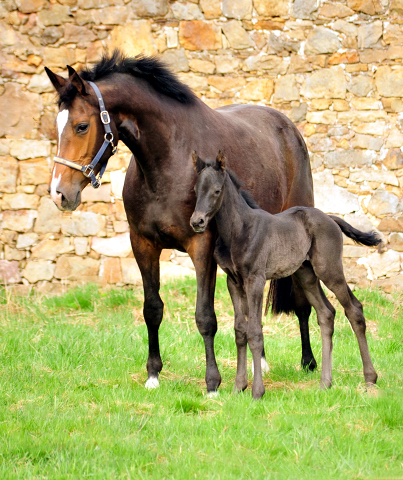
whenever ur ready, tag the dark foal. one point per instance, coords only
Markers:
(254, 246)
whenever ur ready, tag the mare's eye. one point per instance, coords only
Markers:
(82, 127)
(218, 191)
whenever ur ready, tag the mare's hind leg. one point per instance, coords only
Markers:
(325, 312)
(147, 257)
(200, 250)
(303, 310)
(336, 282)
(241, 326)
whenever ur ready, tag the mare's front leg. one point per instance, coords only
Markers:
(254, 286)
(147, 256)
(201, 250)
(241, 326)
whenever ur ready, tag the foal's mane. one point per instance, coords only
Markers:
(151, 69)
(245, 194)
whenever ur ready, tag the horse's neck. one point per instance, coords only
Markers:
(163, 131)
(233, 215)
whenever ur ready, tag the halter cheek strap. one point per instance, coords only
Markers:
(88, 170)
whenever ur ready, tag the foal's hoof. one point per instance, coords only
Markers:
(240, 387)
(258, 393)
(325, 384)
(370, 378)
(309, 364)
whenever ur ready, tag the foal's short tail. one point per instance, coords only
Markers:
(370, 239)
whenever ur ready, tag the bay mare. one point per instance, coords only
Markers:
(162, 122)
(254, 246)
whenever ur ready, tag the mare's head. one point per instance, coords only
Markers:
(209, 190)
(80, 136)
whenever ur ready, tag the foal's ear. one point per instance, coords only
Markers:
(197, 162)
(221, 160)
(77, 81)
(57, 81)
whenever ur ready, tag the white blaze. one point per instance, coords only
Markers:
(61, 122)
(54, 184)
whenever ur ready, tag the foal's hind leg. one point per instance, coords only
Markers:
(254, 287)
(336, 282)
(325, 312)
(240, 325)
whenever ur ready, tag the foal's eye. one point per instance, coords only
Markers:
(218, 191)
(82, 127)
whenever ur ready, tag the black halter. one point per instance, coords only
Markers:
(88, 170)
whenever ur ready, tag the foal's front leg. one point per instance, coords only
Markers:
(240, 325)
(254, 286)
(200, 249)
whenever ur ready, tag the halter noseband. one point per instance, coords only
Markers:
(88, 170)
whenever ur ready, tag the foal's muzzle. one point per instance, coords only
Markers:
(198, 222)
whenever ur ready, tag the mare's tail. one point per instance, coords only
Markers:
(370, 239)
(280, 296)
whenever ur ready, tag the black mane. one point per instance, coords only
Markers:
(245, 194)
(151, 69)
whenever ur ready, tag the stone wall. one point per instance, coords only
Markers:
(335, 68)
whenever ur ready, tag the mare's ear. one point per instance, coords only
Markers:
(197, 162)
(129, 128)
(57, 81)
(220, 161)
(77, 81)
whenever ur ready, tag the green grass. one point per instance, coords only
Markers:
(73, 403)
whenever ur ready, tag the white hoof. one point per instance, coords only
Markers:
(212, 394)
(264, 365)
(152, 383)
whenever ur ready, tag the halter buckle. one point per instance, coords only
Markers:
(105, 118)
(88, 171)
(96, 183)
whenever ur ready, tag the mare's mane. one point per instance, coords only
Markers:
(151, 69)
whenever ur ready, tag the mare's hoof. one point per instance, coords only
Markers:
(309, 364)
(264, 365)
(152, 383)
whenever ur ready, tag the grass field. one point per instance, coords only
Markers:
(73, 403)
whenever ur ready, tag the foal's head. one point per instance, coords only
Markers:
(209, 190)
